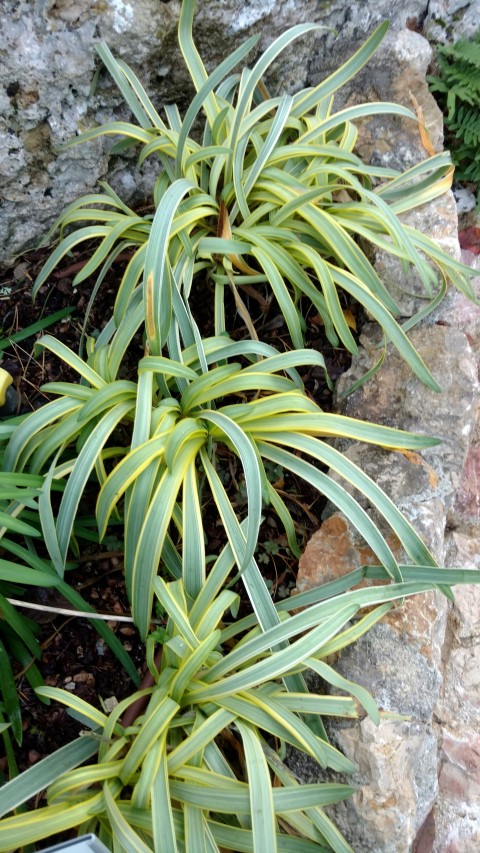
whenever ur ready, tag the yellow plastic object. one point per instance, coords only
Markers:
(5, 381)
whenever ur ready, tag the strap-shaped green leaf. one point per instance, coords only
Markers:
(151, 729)
(309, 99)
(124, 835)
(197, 741)
(82, 470)
(164, 833)
(8, 521)
(355, 631)
(332, 677)
(123, 476)
(17, 832)
(410, 540)
(351, 114)
(253, 480)
(265, 60)
(157, 274)
(285, 726)
(214, 582)
(193, 61)
(192, 665)
(206, 87)
(21, 627)
(312, 703)
(195, 825)
(153, 532)
(184, 432)
(65, 246)
(200, 387)
(176, 613)
(332, 426)
(40, 775)
(279, 662)
(235, 839)
(235, 799)
(267, 408)
(9, 694)
(14, 573)
(106, 398)
(209, 619)
(328, 831)
(193, 545)
(254, 582)
(392, 330)
(262, 808)
(81, 778)
(275, 279)
(97, 718)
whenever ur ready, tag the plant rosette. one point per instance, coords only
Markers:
(173, 422)
(272, 197)
(192, 765)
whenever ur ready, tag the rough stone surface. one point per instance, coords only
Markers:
(457, 810)
(449, 20)
(396, 765)
(418, 781)
(397, 398)
(46, 93)
(396, 73)
(400, 677)
(438, 219)
(468, 497)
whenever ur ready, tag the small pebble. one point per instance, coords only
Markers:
(100, 647)
(110, 703)
(84, 678)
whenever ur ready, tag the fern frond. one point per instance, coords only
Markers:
(457, 89)
(466, 50)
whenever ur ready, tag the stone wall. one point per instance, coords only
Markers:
(47, 71)
(418, 778)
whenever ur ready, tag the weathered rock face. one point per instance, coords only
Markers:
(418, 780)
(48, 69)
(449, 20)
(423, 660)
(397, 764)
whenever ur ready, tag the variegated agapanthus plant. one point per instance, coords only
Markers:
(269, 199)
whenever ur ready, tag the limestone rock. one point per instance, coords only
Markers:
(405, 661)
(400, 678)
(397, 398)
(457, 810)
(396, 73)
(459, 312)
(438, 220)
(449, 20)
(397, 784)
(334, 550)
